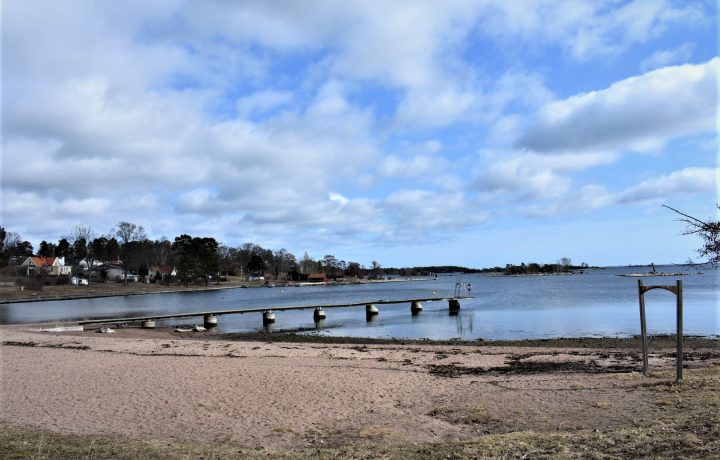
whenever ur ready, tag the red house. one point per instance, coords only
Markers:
(318, 278)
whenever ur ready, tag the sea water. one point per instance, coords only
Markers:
(596, 303)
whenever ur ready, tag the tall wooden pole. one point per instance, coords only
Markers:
(643, 330)
(679, 361)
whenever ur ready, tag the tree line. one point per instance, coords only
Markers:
(193, 259)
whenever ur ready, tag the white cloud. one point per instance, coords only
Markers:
(337, 197)
(638, 113)
(665, 57)
(583, 200)
(587, 29)
(420, 165)
(320, 121)
(530, 176)
(687, 181)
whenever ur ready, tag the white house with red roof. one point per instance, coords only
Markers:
(53, 266)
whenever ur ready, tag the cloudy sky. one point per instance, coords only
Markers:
(474, 133)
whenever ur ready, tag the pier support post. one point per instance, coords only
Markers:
(210, 321)
(319, 315)
(454, 306)
(268, 317)
(148, 324)
(371, 311)
(415, 308)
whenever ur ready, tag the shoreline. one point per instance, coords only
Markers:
(112, 289)
(660, 341)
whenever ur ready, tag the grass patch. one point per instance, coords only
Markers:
(465, 415)
(376, 432)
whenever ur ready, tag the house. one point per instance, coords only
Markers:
(52, 266)
(114, 272)
(294, 275)
(163, 271)
(318, 278)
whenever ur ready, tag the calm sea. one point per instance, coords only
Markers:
(594, 304)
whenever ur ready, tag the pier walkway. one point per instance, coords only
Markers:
(268, 313)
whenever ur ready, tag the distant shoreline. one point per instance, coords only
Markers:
(101, 290)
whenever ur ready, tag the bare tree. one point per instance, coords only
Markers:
(709, 231)
(161, 252)
(307, 264)
(127, 233)
(81, 238)
(376, 269)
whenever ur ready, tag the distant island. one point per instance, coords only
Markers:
(563, 266)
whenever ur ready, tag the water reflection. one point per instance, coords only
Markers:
(464, 324)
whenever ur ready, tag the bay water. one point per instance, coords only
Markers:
(596, 303)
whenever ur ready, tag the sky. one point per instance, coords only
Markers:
(474, 133)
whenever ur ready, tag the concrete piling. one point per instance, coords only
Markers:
(454, 306)
(371, 311)
(415, 308)
(319, 314)
(268, 317)
(148, 324)
(210, 321)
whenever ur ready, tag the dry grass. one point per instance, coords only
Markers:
(465, 415)
(376, 432)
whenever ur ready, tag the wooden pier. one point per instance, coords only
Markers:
(268, 313)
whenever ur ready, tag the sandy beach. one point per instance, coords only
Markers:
(159, 384)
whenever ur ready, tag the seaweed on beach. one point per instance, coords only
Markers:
(12, 343)
(519, 367)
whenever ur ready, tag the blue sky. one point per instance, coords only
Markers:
(475, 133)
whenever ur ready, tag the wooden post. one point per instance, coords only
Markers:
(679, 361)
(643, 330)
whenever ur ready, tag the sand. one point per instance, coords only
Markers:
(164, 385)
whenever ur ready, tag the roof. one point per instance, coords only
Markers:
(42, 261)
